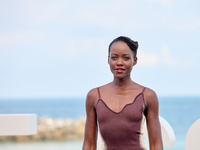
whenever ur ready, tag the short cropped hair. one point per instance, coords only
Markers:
(133, 45)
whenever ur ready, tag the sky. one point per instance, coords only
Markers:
(59, 48)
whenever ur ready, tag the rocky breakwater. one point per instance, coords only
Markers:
(53, 129)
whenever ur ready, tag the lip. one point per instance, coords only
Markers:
(119, 70)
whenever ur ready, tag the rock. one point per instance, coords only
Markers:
(53, 129)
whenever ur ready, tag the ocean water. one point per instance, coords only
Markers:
(180, 112)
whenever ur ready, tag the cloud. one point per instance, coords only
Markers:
(165, 2)
(122, 16)
(113, 15)
(91, 48)
(108, 14)
(21, 36)
(32, 13)
(42, 12)
(95, 50)
(163, 57)
(147, 59)
(189, 23)
(166, 57)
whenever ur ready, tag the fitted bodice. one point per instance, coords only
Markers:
(122, 130)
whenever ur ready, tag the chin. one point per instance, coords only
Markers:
(119, 76)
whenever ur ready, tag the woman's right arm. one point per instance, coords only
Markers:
(91, 122)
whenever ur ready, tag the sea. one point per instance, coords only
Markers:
(179, 112)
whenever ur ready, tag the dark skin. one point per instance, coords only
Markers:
(120, 92)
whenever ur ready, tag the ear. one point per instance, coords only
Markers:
(108, 60)
(135, 61)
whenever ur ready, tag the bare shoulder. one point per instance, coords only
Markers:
(92, 93)
(92, 97)
(150, 96)
(106, 86)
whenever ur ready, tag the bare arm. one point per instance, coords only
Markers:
(153, 123)
(91, 122)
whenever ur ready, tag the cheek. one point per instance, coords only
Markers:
(129, 66)
(111, 64)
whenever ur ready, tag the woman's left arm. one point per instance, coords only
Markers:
(152, 118)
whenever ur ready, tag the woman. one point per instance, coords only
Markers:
(119, 108)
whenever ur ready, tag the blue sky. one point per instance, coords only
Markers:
(58, 48)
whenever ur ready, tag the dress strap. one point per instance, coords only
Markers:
(143, 90)
(145, 105)
(99, 93)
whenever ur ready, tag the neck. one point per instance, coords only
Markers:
(122, 83)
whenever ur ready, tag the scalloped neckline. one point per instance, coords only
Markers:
(123, 107)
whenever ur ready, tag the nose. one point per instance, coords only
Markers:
(119, 62)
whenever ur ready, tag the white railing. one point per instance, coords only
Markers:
(18, 124)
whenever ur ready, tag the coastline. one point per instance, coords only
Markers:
(52, 129)
(180, 112)
(56, 133)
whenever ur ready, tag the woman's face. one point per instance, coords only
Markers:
(121, 59)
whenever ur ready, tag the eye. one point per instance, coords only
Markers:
(113, 57)
(126, 58)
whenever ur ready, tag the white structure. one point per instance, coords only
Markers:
(192, 141)
(168, 136)
(167, 132)
(18, 124)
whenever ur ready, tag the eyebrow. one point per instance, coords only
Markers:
(116, 54)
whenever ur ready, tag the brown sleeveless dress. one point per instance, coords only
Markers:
(122, 130)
